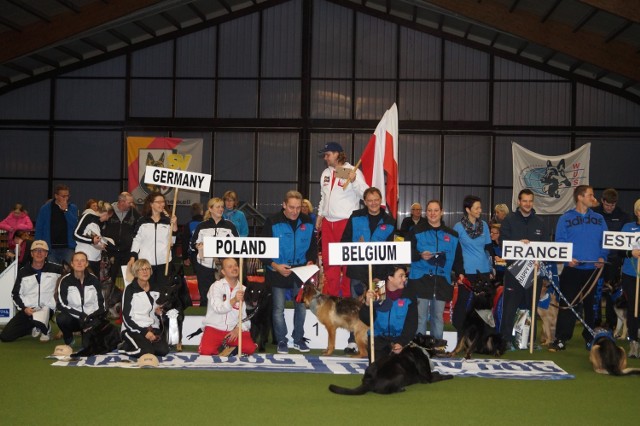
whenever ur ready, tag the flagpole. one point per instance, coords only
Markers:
(355, 169)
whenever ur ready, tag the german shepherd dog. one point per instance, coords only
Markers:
(99, 336)
(478, 333)
(149, 188)
(554, 176)
(608, 358)
(548, 315)
(393, 373)
(174, 296)
(258, 303)
(336, 312)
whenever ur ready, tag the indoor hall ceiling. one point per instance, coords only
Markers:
(596, 41)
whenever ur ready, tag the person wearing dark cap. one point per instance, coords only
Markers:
(33, 296)
(339, 197)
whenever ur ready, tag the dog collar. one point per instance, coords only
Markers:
(600, 334)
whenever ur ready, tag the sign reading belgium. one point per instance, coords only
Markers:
(384, 253)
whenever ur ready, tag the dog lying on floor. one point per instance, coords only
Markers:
(257, 297)
(607, 357)
(478, 333)
(336, 312)
(547, 310)
(99, 336)
(393, 373)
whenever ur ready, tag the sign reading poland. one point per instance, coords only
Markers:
(384, 253)
(241, 247)
(551, 252)
(177, 178)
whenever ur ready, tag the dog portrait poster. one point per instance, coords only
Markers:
(552, 178)
(171, 153)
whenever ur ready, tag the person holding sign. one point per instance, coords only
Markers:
(214, 225)
(370, 224)
(395, 313)
(477, 250)
(298, 247)
(630, 281)
(435, 253)
(221, 321)
(151, 239)
(525, 226)
(33, 296)
(583, 227)
(340, 195)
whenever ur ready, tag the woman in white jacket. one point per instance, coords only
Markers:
(89, 237)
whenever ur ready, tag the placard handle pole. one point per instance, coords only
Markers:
(372, 348)
(533, 306)
(240, 310)
(635, 312)
(173, 213)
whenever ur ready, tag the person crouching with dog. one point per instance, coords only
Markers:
(221, 320)
(395, 313)
(141, 316)
(79, 295)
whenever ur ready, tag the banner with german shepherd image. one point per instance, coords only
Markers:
(552, 178)
(171, 153)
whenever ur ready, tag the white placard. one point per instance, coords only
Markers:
(177, 178)
(382, 253)
(552, 252)
(242, 247)
(621, 240)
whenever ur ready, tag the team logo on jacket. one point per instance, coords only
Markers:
(303, 227)
(383, 227)
(447, 239)
(326, 179)
(400, 303)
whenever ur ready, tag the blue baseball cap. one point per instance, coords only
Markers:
(331, 147)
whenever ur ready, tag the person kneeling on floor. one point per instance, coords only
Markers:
(221, 321)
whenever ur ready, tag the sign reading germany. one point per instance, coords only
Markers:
(552, 252)
(177, 179)
(241, 247)
(383, 253)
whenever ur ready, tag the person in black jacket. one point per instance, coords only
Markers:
(414, 219)
(79, 295)
(525, 226)
(120, 227)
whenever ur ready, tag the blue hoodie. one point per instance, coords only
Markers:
(585, 232)
(630, 263)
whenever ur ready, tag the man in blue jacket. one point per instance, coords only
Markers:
(584, 228)
(298, 247)
(56, 221)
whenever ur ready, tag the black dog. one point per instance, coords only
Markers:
(391, 374)
(99, 336)
(258, 300)
(174, 296)
(478, 333)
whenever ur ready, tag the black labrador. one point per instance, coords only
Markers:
(99, 335)
(258, 300)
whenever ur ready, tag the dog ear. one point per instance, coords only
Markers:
(561, 164)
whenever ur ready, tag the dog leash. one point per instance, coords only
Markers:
(564, 299)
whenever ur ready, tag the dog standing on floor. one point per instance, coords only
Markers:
(258, 302)
(547, 310)
(478, 333)
(336, 312)
(607, 357)
(393, 373)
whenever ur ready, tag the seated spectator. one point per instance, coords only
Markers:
(88, 234)
(79, 295)
(17, 220)
(409, 222)
(22, 242)
(33, 296)
(395, 314)
(221, 320)
(141, 316)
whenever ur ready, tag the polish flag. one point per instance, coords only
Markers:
(380, 160)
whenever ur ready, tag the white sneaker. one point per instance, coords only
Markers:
(45, 337)
(35, 332)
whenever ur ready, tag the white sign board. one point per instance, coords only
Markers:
(177, 178)
(383, 253)
(621, 240)
(551, 252)
(242, 247)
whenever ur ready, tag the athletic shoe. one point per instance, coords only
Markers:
(45, 337)
(283, 348)
(557, 346)
(301, 346)
(351, 349)
(35, 332)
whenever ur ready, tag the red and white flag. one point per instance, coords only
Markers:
(380, 160)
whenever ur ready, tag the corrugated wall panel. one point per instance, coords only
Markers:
(461, 62)
(419, 159)
(332, 41)
(87, 146)
(280, 99)
(532, 104)
(613, 162)
(238, 55)
(196, 54)
(234, 156)
(278, 156)
(376, 48)
(466, 101)
(509, 70)
(238, 98)
(596, 107)
(281, 40)
(452, 203)
(30, 102)
(373, 98)
(419, 100)
(420, 55)
(195, 98)
(331, 99)
(153, 61)
(467, 160)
